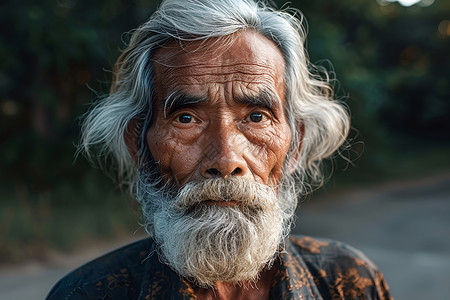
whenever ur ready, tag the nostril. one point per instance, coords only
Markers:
(213, 171)
(236, 171)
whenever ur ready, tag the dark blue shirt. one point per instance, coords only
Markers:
(308, 269)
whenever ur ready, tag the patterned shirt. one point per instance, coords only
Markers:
(307, 269)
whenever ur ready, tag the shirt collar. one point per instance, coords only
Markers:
(292, 279)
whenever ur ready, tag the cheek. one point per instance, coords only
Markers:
(279, 146)
(268, 151)
(160, 147)
(176, 158)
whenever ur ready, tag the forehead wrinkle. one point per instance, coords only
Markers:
(197, 82)
(171, 58)
(174, 79)
(238, 68)
(192, 71)
(196, 65)
(206, 78)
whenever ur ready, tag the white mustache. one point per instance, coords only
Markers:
(243, 191)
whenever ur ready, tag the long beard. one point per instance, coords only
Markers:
(208, 243)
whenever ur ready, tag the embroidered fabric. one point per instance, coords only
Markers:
(309, 268)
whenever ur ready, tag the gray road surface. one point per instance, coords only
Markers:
(403, 228)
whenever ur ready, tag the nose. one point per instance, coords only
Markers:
(224, 155)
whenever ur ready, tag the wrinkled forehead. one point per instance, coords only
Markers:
(245, 56)
(244, 46)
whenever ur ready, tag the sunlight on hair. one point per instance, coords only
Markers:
(408, 3)
(318, 121)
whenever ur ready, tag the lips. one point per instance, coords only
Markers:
(220, 203)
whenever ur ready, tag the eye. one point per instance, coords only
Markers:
(255, 117)
(185, 118)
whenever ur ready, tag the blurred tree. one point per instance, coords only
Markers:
(391, 60)
(391, 63)
(52, 54)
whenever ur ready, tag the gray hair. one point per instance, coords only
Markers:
(209, 243)
(319, 124)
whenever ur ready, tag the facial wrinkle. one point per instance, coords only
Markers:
(224, 81)
(196, 67)
(180, 177)
(200, 81)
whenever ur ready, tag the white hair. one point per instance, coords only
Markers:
(319, 123)
(209, 243)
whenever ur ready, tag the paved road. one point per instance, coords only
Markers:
(403, 228)
(34, 280)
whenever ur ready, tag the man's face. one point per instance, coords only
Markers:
(219, 112)
(219, 133)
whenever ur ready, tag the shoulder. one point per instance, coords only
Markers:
(118, 272)
(320, 248)
(340, 270)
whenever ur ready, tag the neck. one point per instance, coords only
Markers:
(246, 290)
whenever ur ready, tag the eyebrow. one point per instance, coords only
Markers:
(177, 100)
(265, 98)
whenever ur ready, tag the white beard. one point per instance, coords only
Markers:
(208, 243)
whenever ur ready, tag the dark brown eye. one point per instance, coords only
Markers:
(256, 117)
(185, 118)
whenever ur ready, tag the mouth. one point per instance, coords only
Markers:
(220, 203)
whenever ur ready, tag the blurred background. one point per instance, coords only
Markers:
(391, 62)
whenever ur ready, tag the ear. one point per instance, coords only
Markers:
(131, 137)
(293, 159)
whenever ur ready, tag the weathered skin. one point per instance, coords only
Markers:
(221, 136)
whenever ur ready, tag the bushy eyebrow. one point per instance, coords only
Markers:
(265, 98)
(177, 100)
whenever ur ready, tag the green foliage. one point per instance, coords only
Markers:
(392, 67)
(53, 53)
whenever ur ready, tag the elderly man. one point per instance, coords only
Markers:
(216, 122)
